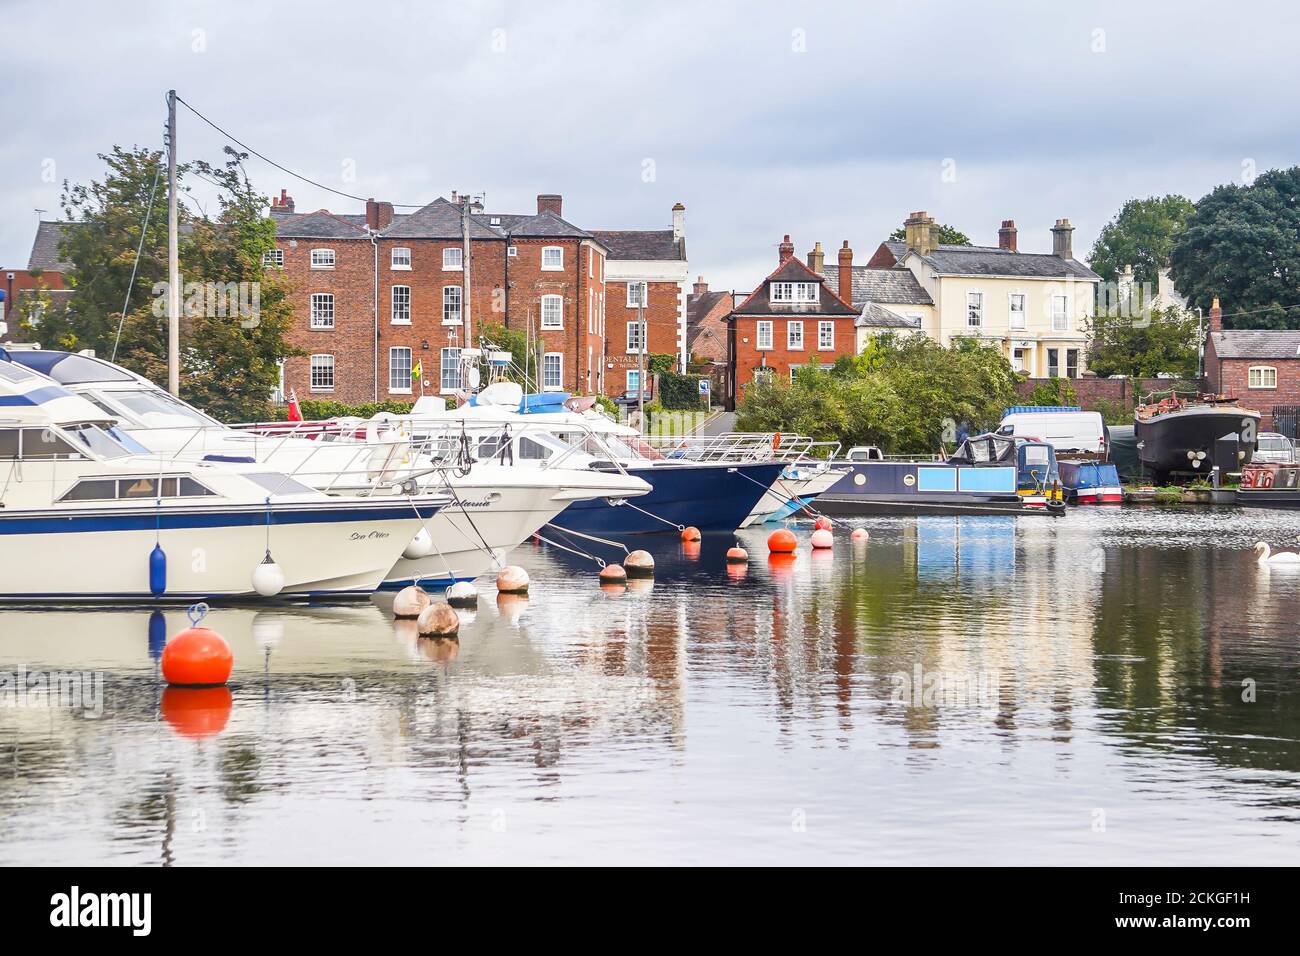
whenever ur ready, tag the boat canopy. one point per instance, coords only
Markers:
(27, 398)
(67, 368)
(984, 449)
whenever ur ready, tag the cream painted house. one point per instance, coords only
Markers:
(1033, 306)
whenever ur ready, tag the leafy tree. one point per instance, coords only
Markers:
(1242, 244)
(235, 313)
(1144, 346)
(1141, 235)
(1055, 391)
(948, 235)
(524, 361)
(901, 394)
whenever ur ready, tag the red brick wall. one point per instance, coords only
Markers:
(350, 339)
(24, 281)
(779, 357)
(1231, 377)
(492, 270)
(662, 313)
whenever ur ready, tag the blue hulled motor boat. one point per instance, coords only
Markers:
(988, 474)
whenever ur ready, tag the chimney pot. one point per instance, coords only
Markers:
(817, 259)
(1216, 316)
(846, 273)
(700, 286)
(1062, 241)
(679, 222)
(1007, 235)
(550, 202)
(786, 249)
(922, 236)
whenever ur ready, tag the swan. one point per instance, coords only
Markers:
(1267, 556)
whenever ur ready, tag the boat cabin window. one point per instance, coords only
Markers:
(1036, 455)
(112, 489)
(97, 441)
(150, 409)
(40, 443)
(278, 484)
(530, 450)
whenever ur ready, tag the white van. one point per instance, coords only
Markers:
(1065, 429)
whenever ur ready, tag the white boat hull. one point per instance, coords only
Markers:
(788, 495)
(325, 549)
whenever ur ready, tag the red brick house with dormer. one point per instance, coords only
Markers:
(792, 319)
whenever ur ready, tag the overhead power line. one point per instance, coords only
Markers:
(284, 169)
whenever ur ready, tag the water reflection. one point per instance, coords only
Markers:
(1136, 661)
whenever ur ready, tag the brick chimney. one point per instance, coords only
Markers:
(700, 286)
(921, 234)
(1216, 316)
(549, 202)
(679, 222)
(1007, 235)
(786, 249)
(846, 273)
(1062, 239)
(284, 203)
(379, 215)
(817, 259)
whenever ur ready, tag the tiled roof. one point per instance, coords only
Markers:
(438, 220)
(706, 330)
(45, 248)
(983, 261)
(652, 244)
(1251, 344)
(545, 225)
(897, 286)
(321, 224)
(878, 317)
(794, 270)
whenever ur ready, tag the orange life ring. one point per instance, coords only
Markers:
(776, 441)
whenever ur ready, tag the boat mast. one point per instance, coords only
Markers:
(173, 258)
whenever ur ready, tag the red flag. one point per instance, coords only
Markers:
(295, 413)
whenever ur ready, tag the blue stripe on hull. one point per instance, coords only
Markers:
(437, 581)
(148, 520)
(789, 508)
(709, 497)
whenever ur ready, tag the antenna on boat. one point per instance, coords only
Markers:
(173, 258)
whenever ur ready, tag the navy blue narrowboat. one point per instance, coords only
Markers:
(989, 474)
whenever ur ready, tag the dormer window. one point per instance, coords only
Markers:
(794, 292)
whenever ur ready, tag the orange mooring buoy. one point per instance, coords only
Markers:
(197, 656)
(782, 541)
(691, 534)
(737, 555)
(613, 574)
(823, 523)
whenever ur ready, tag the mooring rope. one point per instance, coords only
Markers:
(672, 524)
(590, 537)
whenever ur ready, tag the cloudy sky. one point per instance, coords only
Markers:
(829, 122)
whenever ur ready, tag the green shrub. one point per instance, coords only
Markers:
(317, 409)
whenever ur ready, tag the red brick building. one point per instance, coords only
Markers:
(1259, 368)
(378, 295)
(793, 318)
(43, 274)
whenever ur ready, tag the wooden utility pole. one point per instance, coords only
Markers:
(464, 238)
(642, 333)
(173, 257)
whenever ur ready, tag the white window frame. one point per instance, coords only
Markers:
(974, 310)
(763, 331)
(512, 251)
(1013, 312)
(637, 330)
(460, 305)
(1047, 358)
(395, 352)
(826, 336)
(633, 373)
(323, 258)
(395, 316)
(792, 342)
(400, 259)
(273, 258)
(453, 259)
(449, 358)
(559, 384)
(317, 320)
(644, 289)
(555, 320)
(1251, 378)
(312, 367)
(559, 250)
(1060, 318)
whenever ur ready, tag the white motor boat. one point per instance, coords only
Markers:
(87, 515)
(494, 506)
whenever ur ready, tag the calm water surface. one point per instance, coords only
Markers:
(1091, 711)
